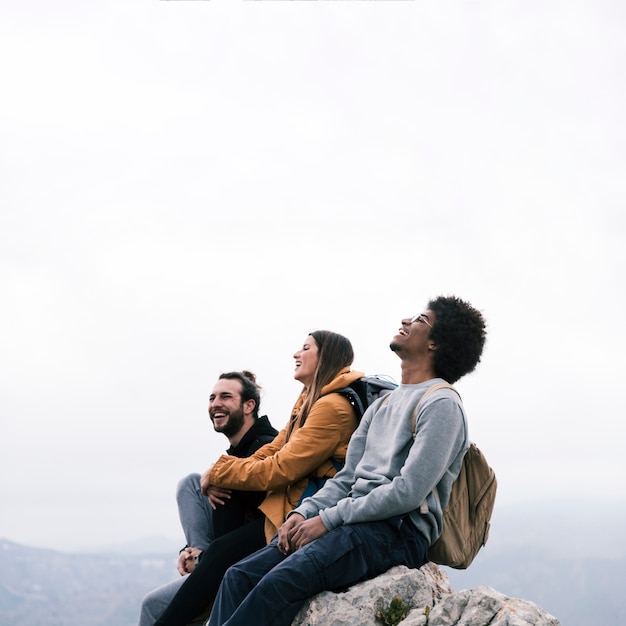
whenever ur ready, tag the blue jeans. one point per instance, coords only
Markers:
(268, 588)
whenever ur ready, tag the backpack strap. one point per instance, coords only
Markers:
(353, 398)
(435, 387)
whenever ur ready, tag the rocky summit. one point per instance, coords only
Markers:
(420, 597)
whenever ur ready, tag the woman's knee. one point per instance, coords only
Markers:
(156, 601)
(151, 607)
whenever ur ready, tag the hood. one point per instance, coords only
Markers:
(343, 379)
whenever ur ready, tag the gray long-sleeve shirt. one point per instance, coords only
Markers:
(389, 472)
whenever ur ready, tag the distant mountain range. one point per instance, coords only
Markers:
(47, 588)
(568, 558)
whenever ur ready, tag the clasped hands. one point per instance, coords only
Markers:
(187, 560)
(296, 532)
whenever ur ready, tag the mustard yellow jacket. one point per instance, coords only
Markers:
(283, 466)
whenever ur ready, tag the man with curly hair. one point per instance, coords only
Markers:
(381, 509)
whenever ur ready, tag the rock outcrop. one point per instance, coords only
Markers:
(431, 600)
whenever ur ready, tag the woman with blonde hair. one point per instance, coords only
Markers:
(308, 450)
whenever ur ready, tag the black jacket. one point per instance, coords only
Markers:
(242, 506)
(260, 433)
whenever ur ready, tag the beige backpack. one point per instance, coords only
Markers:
(466, 518)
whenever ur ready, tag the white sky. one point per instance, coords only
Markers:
(191, 187)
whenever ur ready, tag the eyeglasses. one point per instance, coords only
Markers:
(421, 319)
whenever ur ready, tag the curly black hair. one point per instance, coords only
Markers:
(459, 332)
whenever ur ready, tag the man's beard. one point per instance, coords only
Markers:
(233, 425)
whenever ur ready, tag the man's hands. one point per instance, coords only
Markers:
(296, 532)
(187, 560)
(216, 495)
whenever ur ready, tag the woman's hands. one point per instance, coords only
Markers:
(296, 532)
(216, 495)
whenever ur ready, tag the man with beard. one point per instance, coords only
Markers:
(234, 410)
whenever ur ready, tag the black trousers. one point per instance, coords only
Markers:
(199, 590)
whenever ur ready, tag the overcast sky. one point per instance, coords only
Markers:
(192, 187)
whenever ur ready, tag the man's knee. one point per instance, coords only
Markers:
(190, 483)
